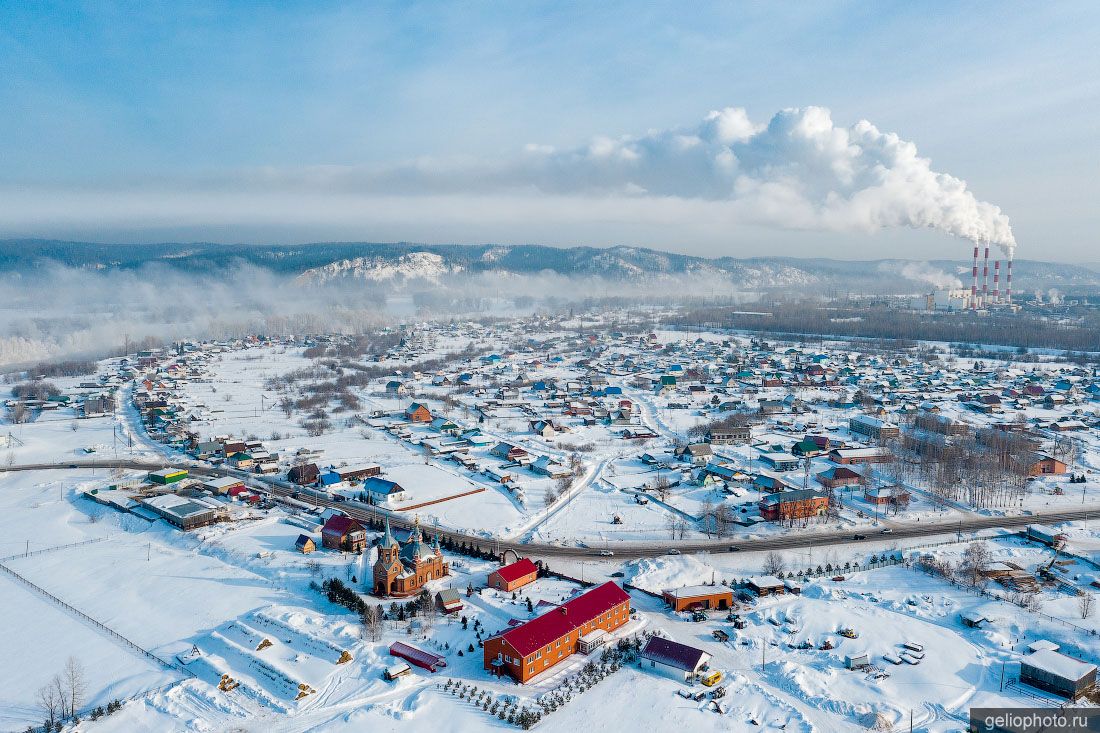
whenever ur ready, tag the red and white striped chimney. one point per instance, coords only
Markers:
(985, 277)
(1008, 280)
(974, 285)
(996, 281)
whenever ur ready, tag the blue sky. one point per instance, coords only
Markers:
(242, 121)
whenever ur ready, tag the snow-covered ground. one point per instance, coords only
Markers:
(272, 653)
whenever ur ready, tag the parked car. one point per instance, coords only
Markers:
(674, 551)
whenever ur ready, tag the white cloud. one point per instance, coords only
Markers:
(798, 171)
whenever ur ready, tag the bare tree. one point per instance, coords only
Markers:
(371, 621)
(19, 414)
(670, 525)
(975, 560)
(53, 707)
(75, 685)
(1085, 602)
(774, 563)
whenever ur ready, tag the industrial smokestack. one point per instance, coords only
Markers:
(996, 281)
(985, 276)
(974, 286)
(1008, 281)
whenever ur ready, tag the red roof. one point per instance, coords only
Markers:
(419, 657)
(516, 570)
(555, 624)
(340, 525)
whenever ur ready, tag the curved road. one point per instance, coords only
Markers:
(279, 488)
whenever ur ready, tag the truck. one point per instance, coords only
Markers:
(1045, 535)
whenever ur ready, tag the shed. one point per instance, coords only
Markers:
(419, 657)
(1056, 673)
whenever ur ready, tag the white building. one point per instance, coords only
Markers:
(681, 662)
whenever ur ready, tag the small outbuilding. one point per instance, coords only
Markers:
(1057, 673)
(514, 576)
(699, 596)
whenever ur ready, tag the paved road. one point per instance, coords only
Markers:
(908, 530)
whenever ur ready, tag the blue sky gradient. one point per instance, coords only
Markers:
(165, 106)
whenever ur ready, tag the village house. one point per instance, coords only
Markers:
(343, 533)
(1046, 466)
(416, 412)
(358, 472)
(672, 659)
(305, 474)
(791, 505)
(530, 649)
(696, 453)
(305, 544)
(383, 492)
(543, 428)
(508, 452)
(836, 477)
(891, 495)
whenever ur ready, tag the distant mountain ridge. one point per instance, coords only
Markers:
(320, 263)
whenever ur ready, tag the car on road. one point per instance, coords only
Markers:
(887, 531)
(607, 553)
(859, 537)
(734, 548)
(674, 551)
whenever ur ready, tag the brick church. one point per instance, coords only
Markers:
(403, 570)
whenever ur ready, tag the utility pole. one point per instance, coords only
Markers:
(1002, 676)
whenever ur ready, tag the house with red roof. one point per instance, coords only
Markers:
(343, 533)
(530, 649)
(514, 576)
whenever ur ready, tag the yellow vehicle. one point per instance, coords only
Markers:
(712, 678)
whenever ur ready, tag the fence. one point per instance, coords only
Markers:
(96, 624)
(44, 550)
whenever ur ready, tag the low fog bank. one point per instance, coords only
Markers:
(63, 312)
(58, 313)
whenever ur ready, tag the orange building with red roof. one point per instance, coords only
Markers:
(514, 576)
(532, 648)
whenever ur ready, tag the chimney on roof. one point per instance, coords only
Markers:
(564, 610)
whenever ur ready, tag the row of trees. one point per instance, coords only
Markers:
(984, 469)
(808, 317)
